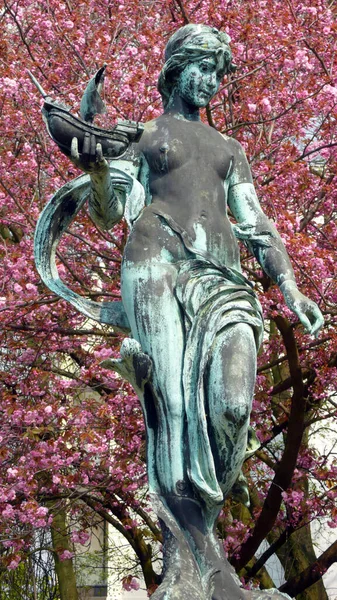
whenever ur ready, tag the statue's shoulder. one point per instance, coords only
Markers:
(233, 145)
(151, 125)
(150, 129)
(240, 170)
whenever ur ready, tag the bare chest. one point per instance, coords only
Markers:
(173, 144)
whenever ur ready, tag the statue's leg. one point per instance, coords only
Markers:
(156, 322)
(230, 380)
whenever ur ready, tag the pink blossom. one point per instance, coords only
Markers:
(252, 107)
(80, 537)
(42, 511)
(330, 89)
(266, 104)
(31, 287)
(12, 472)
(288, 63)
(131, 583)
(65, 555)
(134, 583)
(8, 512)
(14, 562)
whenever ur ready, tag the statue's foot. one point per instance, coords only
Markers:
(182, 579)
(224, 586)
(272, 594)
(183, 590)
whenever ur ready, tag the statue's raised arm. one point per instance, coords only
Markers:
(90, 147)
(109, 180)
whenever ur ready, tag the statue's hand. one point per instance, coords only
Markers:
(91, 160)
(307, 311)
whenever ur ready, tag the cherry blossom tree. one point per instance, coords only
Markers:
(72, 436)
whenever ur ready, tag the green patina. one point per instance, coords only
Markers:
(194, 318)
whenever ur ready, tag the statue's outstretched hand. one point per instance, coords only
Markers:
(307, 311)
(91, 160)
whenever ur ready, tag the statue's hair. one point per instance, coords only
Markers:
(192, 43)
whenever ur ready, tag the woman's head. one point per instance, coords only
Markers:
(191, 44)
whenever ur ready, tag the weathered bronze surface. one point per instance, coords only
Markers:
(195, 320)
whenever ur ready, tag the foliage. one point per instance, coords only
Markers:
(71, 431)
(34, 578)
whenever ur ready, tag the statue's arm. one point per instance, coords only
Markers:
(267, 246)
(270, 251)
(106, 203)
(107, 198)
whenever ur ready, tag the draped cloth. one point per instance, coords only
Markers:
(54, 220)
(212, 297)
(210, 302)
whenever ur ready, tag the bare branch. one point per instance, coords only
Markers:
(286, 466)
(296, 585)
(183, 11)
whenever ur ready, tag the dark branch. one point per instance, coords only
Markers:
(297, 584)
(285, 470)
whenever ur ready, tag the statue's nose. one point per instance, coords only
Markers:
(212, 82)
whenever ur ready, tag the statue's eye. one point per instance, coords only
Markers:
(206, 67)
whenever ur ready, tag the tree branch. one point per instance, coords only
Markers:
(183, 11)
(296, 585)
(285, 469)
(269, 552)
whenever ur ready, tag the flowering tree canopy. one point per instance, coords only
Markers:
(71, 432)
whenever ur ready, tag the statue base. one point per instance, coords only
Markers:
(182, 578)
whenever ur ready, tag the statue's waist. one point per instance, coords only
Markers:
(157, 234)
(233, 274)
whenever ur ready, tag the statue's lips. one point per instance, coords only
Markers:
(205, 93)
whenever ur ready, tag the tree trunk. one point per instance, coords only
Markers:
(297, 553)
(64, 568)
(242, 513)
(296, 556)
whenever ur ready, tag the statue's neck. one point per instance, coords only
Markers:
(179, 108)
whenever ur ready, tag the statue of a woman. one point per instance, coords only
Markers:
(190, 307)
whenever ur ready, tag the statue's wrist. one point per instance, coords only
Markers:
(101, 172)
(288, 286)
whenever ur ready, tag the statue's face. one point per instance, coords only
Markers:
(198, 82)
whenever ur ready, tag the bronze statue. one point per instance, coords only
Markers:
(195, 319)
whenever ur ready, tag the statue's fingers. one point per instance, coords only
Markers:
(92, 147)
(74, 149)
(99, 153)
(86, 146)
(318, 322)
(305, 321)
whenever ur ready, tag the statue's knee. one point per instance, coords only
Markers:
(176, 414)
(236, 416)
(174, 409)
